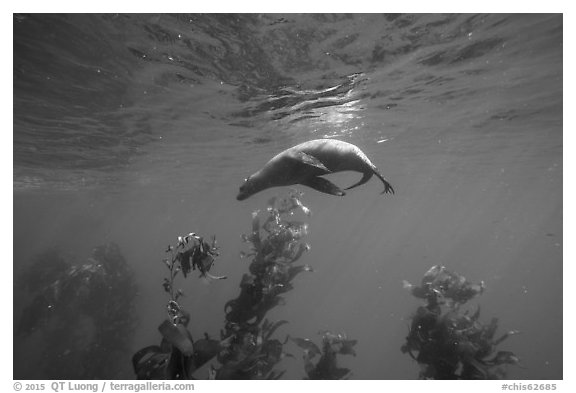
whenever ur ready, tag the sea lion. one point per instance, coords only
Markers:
(306, 162)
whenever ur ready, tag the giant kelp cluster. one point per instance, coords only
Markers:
(246, 348)
(81, 313)
(449, 342)
(276, 244)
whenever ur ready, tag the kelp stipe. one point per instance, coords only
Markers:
(83, 313)
(448, 342)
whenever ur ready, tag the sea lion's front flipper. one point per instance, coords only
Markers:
(365, 178)
(310, 160)
(323, 185)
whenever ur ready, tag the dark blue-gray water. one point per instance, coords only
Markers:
(135, 129)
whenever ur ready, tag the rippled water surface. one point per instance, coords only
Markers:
(138, 128)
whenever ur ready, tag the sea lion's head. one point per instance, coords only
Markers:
(248, 188)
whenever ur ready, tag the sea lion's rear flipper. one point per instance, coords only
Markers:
(323, 185)
(310, 160)
(388, 189)
(367, 175)
(365, 178)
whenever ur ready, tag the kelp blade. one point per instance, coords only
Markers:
(177, 336)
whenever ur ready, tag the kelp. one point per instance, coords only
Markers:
(83, 312)
(252, 353)
(177, 357)
(276, 244)
(448, 342)
(246, 348)
(326, 367)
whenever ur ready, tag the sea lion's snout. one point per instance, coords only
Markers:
(243, 193)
